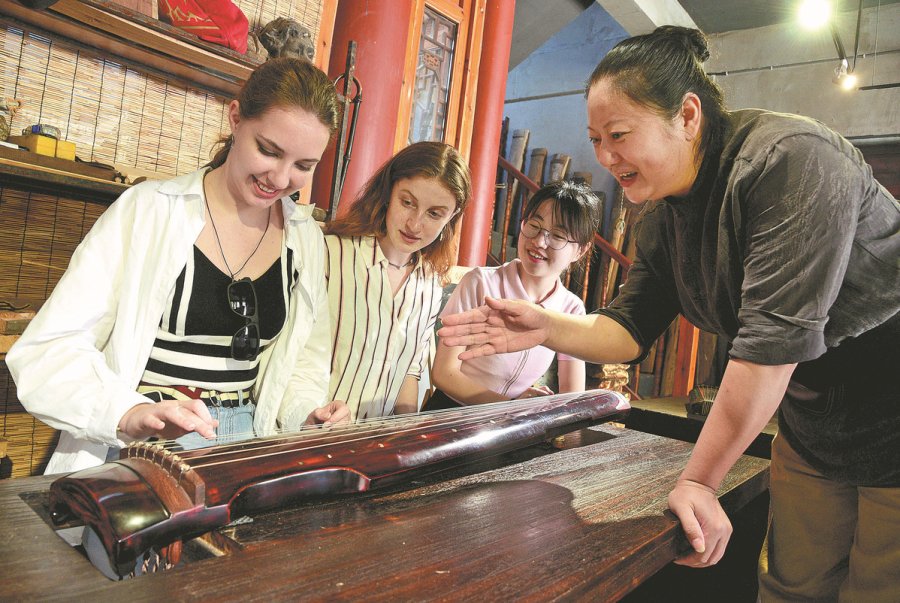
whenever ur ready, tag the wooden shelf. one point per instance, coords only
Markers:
(125, 33)
(6, 342)
(19, 169)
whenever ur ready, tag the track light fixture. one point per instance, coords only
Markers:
(815, 13)
(846, 80)
(843, 73)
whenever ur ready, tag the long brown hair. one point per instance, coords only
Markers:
(368, 214)
(285, 82)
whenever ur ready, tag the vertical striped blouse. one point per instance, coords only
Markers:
(378, 339)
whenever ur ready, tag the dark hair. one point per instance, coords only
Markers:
(287, 82)
(368, 214)
(657, 69)
(575, 207)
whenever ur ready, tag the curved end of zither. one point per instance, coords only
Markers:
(116, 504)
(622, 404)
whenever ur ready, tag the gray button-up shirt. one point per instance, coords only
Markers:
(787, 247)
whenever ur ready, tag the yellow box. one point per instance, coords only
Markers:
(44, 145)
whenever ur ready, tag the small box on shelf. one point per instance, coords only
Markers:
(14, 323)
(45, 145)
(15, 314)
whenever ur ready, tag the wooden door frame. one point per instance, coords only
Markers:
(469, 17)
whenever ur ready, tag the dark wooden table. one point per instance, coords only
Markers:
(585, 522)
(668, 417)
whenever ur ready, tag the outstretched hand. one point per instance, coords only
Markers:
(168, 419)
(703, 520)
(498, 327)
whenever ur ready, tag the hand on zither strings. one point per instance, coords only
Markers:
(535, 392)
(333, 413)
(498, 327)
(168, 420)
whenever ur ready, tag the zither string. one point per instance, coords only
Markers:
(367, 430)
(467, 417)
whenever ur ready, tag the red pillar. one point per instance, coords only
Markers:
(685, 357)
(476, 226)
(381, 30)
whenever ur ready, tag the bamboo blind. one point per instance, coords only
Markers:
(29, 441)
(38, 234)
(115, 114)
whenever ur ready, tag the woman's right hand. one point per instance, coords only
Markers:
(498, 327)
(535, 392)
(335, 412)
(168, 419)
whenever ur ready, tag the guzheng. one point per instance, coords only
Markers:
(154, 497)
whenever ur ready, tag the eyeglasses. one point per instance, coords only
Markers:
(242, 299)
(555, 239)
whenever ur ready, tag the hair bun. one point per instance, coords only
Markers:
(693, 40)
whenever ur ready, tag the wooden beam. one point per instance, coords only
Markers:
(685, 357)
(471, 68)
(492, 73)
(643, 16)
(326, 34)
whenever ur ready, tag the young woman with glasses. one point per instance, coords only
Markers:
(557, 231)
(769, 230)
(193, 300)
(388, 256)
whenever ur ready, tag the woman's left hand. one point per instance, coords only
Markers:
(333, 413)
(703, 520)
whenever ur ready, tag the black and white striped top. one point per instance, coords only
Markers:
(193, 342)
(378, 339)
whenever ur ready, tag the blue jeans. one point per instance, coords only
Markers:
(235, 424)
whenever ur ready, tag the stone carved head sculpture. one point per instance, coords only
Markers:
(8, 109)
(287, 38)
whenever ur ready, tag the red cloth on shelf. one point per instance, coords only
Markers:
(217, 21)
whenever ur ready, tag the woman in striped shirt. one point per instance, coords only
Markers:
(388, 256)
(193, 299)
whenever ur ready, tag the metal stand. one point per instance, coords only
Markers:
(345, 145)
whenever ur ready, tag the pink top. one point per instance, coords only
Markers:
(507, 374)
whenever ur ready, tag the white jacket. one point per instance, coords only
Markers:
(79, 362)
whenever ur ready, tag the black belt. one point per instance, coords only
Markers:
(212, 398)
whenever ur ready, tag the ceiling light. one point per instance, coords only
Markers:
(813, 14)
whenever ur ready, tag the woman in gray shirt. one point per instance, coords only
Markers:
(769, 230)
